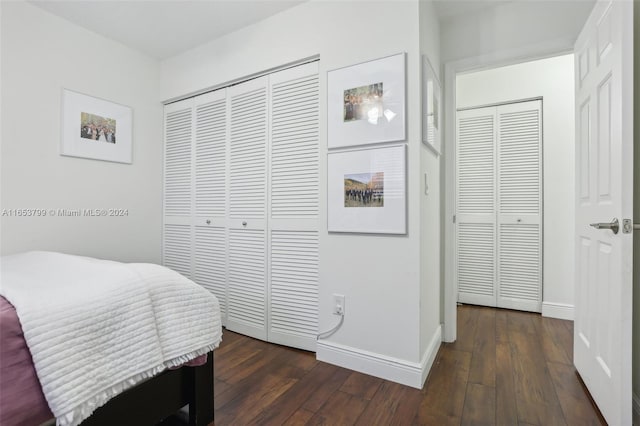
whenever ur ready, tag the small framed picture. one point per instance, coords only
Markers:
(95, 128)
(366, 190)
(431, 107)
(366, 102)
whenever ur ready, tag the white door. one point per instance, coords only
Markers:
(604, 185)
(210, 201)
(294, 206)
(476, 206)
(247, 208)
(519, 206)
(178, 199)
(499, 206)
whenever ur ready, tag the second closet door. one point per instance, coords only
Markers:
(499, 206)
(247, 208)
(519, 206)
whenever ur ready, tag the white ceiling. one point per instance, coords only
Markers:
(163, 28)
(450, 8)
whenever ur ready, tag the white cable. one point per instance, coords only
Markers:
(326, 334)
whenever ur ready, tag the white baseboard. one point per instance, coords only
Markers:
(557, 310)
(636, 410)
(430, 354)
(385, 367)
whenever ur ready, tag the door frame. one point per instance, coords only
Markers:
(558, 47)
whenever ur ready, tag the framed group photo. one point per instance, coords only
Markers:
(366, 102)
(95, 128)
(367, 190)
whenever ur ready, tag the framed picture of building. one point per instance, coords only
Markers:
(367, 190)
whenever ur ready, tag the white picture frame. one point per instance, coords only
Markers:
(382, 172)
(376, 92)
(431, 107)
(95, 128)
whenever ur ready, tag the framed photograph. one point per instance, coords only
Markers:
(367, 190)
(95, 128)
(366, 102)
(431, 107)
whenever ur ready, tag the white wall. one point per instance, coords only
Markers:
(41, 54)
(513, 25)
(381, 282)
(430, 218)
(551, 79)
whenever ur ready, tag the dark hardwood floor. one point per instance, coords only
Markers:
(506, 368)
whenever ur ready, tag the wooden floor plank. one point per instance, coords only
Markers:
(393, 404)
(483, 359)
(300, 417)
(245, 408)
(502, 334)
(479, 405)
(445, 390)
(553, 352)
(562, 335)
(361, 385)
(536, 399)
(575, 403)
(506, 408)
(521, 322)
(326, 389)
(340, 409)
(292, 400)
(467, 326)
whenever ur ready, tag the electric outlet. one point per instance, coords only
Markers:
(338, 304)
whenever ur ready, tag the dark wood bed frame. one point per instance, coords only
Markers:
(156, 399)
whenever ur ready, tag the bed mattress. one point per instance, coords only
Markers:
(70, 325)
(21, 398)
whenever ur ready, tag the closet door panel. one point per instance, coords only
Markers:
(176, 250)
(177, 165)
(294, 288)
(210, 267)
(211, 156)
(247, 208)
(294, 206)
(247, 282)
(248, 112)
(520, 205)
(177, 188)
(294, 143)
(210, 197)
(475, 207)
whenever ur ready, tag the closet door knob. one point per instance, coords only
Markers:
(244, 223)
(208, 222)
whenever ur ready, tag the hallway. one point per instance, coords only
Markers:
(511, 368)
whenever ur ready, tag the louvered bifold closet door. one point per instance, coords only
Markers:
(247, 208)
(210, 245)
(294, 206)
(520, 206)
(475, 269)
(178, 195)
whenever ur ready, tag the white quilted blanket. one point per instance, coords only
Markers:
(96, 328)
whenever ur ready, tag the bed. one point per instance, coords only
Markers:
(137, 354)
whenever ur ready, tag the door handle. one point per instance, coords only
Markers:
(614, 225)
